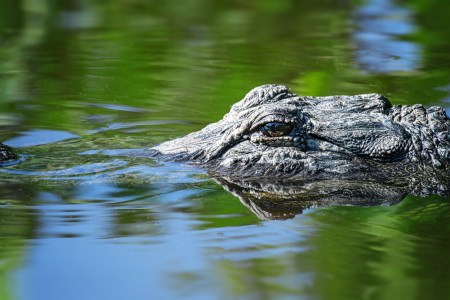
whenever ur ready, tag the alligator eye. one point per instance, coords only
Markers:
(275, 129)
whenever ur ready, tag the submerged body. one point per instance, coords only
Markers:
(273, 134)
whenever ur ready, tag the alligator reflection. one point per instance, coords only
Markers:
(284, 200)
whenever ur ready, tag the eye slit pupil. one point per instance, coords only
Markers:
(275, 129)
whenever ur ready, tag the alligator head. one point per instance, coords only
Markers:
(274, 134)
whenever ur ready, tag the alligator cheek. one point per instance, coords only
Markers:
(247, 160)
(315, 165)
(273, 162)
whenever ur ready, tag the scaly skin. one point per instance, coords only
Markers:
(273, 134)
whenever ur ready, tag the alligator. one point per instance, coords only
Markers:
(280, 153)
(275, 135)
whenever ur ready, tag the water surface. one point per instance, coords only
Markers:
(85, 85)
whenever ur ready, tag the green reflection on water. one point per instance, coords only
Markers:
(385, 250)
(131, 74)
(17, 226)
(357, 253)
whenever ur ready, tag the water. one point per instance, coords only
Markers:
(87, 85)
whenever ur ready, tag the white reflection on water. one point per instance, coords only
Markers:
(381, 24)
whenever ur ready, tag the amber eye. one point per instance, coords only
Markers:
(275, 129)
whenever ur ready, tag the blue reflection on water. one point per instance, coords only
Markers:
(108, 263)
(35, 137)
(380, 25)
